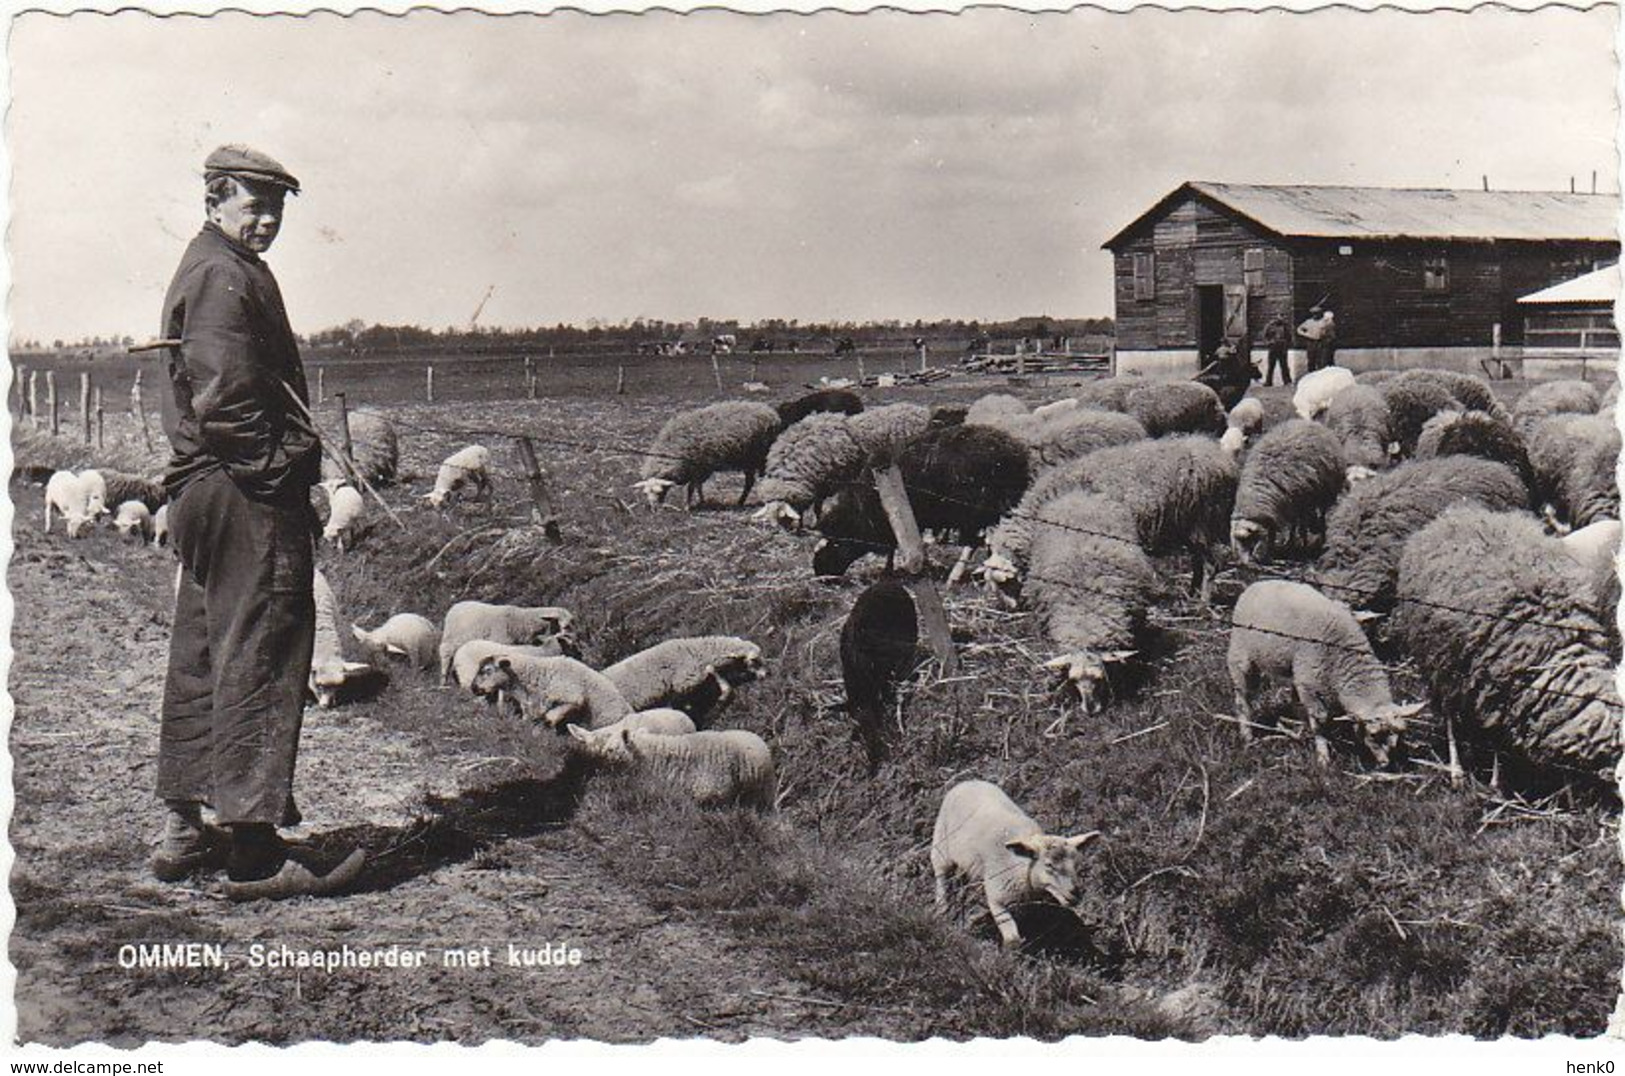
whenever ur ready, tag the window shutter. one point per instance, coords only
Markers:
(1145, 276)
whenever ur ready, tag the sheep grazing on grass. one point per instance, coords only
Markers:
(160, 527)
(879, 648)
(1056, 407)
(1554, 398)
(1358, 415)
(465, 664)
(1410, 405)
(1244, 422)
(132, 520)
(881, 429)
(605, 743)
(996, 409)
(465, 468)
(1168, 407)
(1573, 458)
(1108, 393)
(552, 691)
(332, 678)
(983, 836)
(119, 487)
(716, 768)
(1290, 479)
(95, 485)
(961, 479)
(512, 624)
(818, 455)
(1067, 434)
(835, 401)
(1291, 631)
(1471, 393)
(1367, 530)
(1090, 584)
(1476, 433)
(697, 675)
(374, 449)
(70, 496)
(1596, 549)
(1317, 389)
(404, 635)
(344, 511)
(1499, 619)
(694, 445)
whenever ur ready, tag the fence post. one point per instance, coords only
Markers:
(716, 369)
(50, 401)
(911, 561)
(530, 378)
(84, 404)
(428, 383)
(344, 426)
(542, 498)
(321, 390)
(861, 374)
(620, 380)
(920, 350)
(22, 392)
(140, 411)
(33, 397)
(101, 427)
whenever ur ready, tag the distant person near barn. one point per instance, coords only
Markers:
(1278, 340)
(1319, 336)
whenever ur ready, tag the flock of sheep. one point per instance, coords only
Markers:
(1478, 540)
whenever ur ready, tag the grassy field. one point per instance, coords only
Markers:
(1239, 889)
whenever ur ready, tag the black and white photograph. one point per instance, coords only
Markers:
(718, 525)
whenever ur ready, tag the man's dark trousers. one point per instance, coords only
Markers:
(1278, 358)
(230, 731)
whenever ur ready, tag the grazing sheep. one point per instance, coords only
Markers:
(1066, 434)
(1108, 393)
(1318, 388)
(694, 445)
(1090, 584)
(605, 744)
(70, 496)
(1554, 398)
(960, 479)
(1292, 631)
(1358, 415)
(552, 691)
(1596, 549)
(470, 466)
(881, 429)
(132, 520)
(1166, 407)
(1470, 392)
(1410, 405)
(1476, 433)
(1599, 539)
(160, 527)
(995, 409)
(120, 487)
(944, 415)
(835, 401)
(374, 449)
(1573, 458)
(879, 648)
(331, 676)
(981, 834)
(822, 452)
(512, 624)
(405, 635)
(345, 508)
(95, 485)
(1499, 619)
(1288, 482)
(1367, 530)
(1610, 399)
(1245, 421)
(697, 675)
(1056, 407)
(465, 663)
(717, 769)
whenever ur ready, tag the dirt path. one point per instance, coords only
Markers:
(90, 636)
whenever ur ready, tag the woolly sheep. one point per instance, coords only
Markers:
(1108, 393)
(1554, 398)
(881, 429)
(694, 445)
(716, 768)
(1410, 405)
(467, 466)
(514, 624)
(1054, 438)
(330, 673)
(960, 479)
(1367, 530)
(879, 647)
(465, 663)
(697, 675)
(982, 835)
(1287, 630)
(1358, 415)
(120, 487)
(70, 496)
(1318, 388)
(816, 456)
(994, 409)
(374, 448)
(1573, 458)
(1498, 617)
(1476, 433)
(345, 508)
(1470, 391)
(1090, 585)
(160, 527)
(605, 744)
(95, 492)
(1056, 407)
(1167, 407)
(1289, 480)
(1596, 549)
(552, 691)
(405, 635)
(837, 401)
(1245, 420)
(132, 520)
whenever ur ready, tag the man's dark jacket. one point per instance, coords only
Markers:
(229, 406)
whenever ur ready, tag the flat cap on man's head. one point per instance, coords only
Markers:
(248, 163)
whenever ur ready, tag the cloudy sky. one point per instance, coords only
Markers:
(812, 167)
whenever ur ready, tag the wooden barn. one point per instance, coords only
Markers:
(1568, 328)
(1414, 277)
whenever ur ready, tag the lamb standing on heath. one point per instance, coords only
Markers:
(982, 835)
(733, 435)
(70, 496)
(470, 466)
(95, 492)
(1288, 482)
(1286, 630)
(404, 635)
(132, 520)
(697, 675)
(330, 673)
(344, 512)
(552, 691)
(1318, 388)
(514, 624)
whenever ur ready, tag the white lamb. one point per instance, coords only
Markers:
(465, 663)
(96, 491)
(329, 672)
(1316, 389)
(552, 691)
(982, 835)
(716, 768)
(1292, 631)
(405, 635)
(697, 675)
(1245, 421)
(515, 624)
(132, 520)
(465, 467)
(344, 515)
(605, 743)
(1594, 541)
(160, 527)
(70, 495)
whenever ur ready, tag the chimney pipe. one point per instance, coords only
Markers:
(1486, 182)
(1593, 181)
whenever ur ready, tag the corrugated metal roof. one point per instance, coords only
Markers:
(1601, 286)
(1398, 213)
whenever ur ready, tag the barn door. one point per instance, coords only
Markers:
(1235, 311)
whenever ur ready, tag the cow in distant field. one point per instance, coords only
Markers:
(845, 346)
(759, 345)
